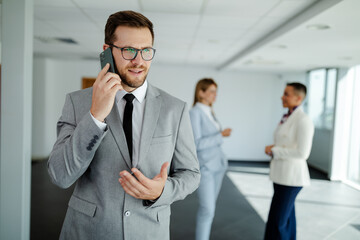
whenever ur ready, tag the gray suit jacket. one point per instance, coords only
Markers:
(99, 208)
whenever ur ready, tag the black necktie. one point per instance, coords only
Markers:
(127, 122)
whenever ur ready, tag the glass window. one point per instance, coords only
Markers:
(321, 97)
(316, 96)
(354, 146)
(330, 98)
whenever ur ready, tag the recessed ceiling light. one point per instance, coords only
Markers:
(347, 58)
(318, 27)
(280, 46)
(265, 62)
(55, 40)
(213, 41)
(312, 66)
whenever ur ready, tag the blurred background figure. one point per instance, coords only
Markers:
(288, 167)
(213, 163)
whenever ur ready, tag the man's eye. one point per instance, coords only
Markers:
(130, 50)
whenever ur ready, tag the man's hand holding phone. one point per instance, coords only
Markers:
(106, 86)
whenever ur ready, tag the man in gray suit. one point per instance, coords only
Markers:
(127, 144)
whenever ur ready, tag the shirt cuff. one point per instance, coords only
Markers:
(101, 125)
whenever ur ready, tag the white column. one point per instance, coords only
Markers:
(342, 126)
(16, 107)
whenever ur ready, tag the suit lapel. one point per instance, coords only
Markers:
(210, 126)
(294, 115)
(151, 116)
(115, 125)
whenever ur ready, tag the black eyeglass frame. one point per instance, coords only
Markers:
(137, 50)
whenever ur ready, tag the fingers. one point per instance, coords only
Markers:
(104, 90)
(103, 71)
(142, 179)
(127, 189)
(142, 187)
(115, 89)
(268, 150)
(104, 76)
(226, 132)
(110, 76)
(163, 171)
(162, 176)
(129, 182)
(111, 83)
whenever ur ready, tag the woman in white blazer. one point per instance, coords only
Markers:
(288, 167)
(213, 163)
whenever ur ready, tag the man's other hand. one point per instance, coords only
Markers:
(144, 188)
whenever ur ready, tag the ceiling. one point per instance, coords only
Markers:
(247, 35)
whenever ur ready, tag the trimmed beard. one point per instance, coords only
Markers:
(127, 83)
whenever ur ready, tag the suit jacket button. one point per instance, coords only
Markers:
(89, 148)
(93, 141)
(127, 213)
(96, 137)
(91, 144)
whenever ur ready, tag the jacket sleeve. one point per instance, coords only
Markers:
(184, 176)
(203, 142)
(304, 136)
(75, 147)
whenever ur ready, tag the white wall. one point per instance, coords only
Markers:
(294, 77)
(52, 80)
(39, 135)
(249, 103)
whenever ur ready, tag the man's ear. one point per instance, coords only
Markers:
(105, 46)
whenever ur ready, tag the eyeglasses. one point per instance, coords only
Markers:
(129, 53)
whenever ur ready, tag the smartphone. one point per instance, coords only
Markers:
(106, 57)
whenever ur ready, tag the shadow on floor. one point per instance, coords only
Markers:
(262, 167)
(234, 217)
(48, 204)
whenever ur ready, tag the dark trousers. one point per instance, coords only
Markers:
(281, 224)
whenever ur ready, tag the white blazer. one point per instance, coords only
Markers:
(293, 141)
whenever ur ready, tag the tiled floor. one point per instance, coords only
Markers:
(325, 210)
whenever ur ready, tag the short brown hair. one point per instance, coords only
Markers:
(126, 18)
(203, 85)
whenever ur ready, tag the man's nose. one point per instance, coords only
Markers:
(138, 59)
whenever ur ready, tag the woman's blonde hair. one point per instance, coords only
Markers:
(203, 85)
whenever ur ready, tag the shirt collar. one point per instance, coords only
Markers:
(287, 115)
(290, 112)
(139, 93)
(205, 108)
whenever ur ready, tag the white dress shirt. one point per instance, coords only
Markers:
(208, 112)
(137, 117)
